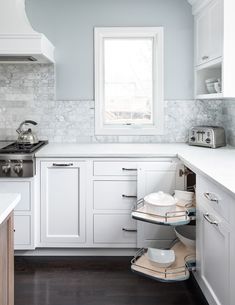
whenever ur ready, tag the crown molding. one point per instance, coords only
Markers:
(198, 5)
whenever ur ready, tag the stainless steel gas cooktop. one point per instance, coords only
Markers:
(17, 160)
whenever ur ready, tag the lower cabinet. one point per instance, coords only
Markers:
(115, 229)
(213, 245)
(213, 255)
(63, 203)
(24, 212)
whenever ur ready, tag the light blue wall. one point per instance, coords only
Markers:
(69, 25)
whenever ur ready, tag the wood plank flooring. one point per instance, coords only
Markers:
(94, 281)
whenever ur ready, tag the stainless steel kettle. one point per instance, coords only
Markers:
(26, 136)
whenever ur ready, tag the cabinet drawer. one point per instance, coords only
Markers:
(211, 195)
(22, 226)
(22, 188)
(115, 168)
(113, 229)
(115, 195)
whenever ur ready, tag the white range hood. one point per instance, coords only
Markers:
(19, 43)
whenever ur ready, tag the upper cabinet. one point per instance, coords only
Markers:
(209, 33)
(214, 49)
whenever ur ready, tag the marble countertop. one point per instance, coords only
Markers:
(216, 164)
(7, 204)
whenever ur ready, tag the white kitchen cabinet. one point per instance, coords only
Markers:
(214, 243)
(22, 231)
(63, 203)
(115, 194)
(115, 229)
(214, 47)
(213, 256)
(153, 177)
(24, 226)
(209, 32)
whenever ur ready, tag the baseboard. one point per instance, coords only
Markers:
(76, 252)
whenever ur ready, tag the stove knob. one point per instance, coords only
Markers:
(18, 168)
(193, 139)
(208, 140)
(6, 168)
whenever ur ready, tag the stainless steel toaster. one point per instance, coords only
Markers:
(207, 136)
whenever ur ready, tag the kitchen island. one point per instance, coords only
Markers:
(8, 203)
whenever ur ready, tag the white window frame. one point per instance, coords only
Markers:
(156, 33)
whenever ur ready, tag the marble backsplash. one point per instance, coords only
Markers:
(28, 92)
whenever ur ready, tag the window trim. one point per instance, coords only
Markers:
(156, 33)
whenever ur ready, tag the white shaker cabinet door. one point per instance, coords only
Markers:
(209, 32)
(202, 42)
(62, 202)
(153, 177)
(213, 255)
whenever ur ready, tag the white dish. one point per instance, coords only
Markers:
(184, 203)
(210, 88)
(187, 235)
(161, 258)
(217, 87)
(211, 80)
(184, 198)
(159, 203)
(185, 195)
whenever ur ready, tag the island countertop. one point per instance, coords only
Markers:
(7, 204)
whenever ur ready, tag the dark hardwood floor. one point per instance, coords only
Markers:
(94, 281)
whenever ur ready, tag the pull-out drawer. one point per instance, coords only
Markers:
(211, 195)
(117, 168)
(22, 229)
(178, 271)
(114, 229)
(115, 195)
(21, 187)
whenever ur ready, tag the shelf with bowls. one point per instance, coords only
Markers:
(208, 79)
(178, 269)
(179, 214)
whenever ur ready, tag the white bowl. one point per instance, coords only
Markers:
(161, 258)
(159, 203)
(184, 198)
(211, 80)
(217, 87)
(187, 235)
(210, 88)
(184, 195)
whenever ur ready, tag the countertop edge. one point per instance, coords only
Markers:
(10, 207)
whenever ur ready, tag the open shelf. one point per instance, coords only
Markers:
(204, 72)
(178, 271)
(181, 215)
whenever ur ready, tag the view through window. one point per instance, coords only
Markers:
(128, 80)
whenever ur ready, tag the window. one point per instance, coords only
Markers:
(129, 81)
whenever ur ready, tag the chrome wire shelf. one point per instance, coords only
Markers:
(181, 216)
(180, 271)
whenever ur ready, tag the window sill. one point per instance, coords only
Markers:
(133, 131)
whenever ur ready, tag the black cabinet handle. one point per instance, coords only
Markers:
(129, 169)
(128, 196)
(62, 164)
(129, 230)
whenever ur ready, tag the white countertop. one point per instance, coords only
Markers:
(109, 150)
(7, 204)
(216, 164)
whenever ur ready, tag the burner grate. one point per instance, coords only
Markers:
(16, 148)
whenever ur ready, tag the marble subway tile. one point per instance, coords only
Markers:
(28, 92)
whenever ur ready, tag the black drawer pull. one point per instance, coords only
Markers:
(62, 164)
(129, 169)
(128, 196)
(129, 230)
